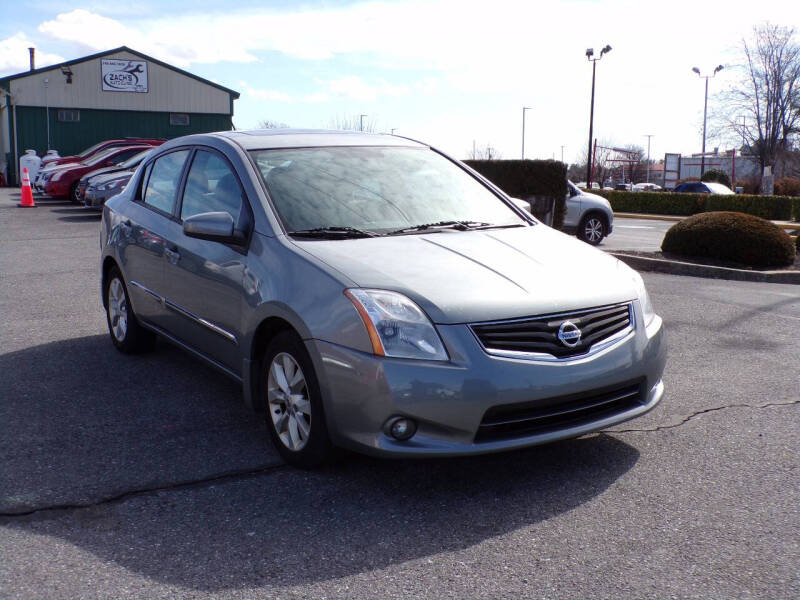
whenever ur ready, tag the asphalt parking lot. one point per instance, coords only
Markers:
(145, 477)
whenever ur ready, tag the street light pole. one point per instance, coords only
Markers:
(524, 108)
(562, 153)
(589, 55)
(648, 136)
(705, 112)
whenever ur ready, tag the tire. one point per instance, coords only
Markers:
(73, 193)
(592, 229)
(292, 403)
(126, 333)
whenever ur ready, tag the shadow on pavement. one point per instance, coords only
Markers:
(88, 422)
(80, 422)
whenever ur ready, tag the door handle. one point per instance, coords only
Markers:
(173, 256)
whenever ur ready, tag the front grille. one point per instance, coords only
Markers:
(554, 414)
(540, 334)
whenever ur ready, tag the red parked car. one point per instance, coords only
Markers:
(62, 182)
(99, 147)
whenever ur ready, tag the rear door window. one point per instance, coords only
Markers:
(211, 186)
(162, 184)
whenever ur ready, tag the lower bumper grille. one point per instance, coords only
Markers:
(518, 420)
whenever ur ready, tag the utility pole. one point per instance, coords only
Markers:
(524, 108)
(705, 112)
(648, 136)
(361, 122)
(562, 154)
(589, 55)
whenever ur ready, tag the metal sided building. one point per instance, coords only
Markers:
(114, 94)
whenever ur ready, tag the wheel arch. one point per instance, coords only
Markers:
(108, 264)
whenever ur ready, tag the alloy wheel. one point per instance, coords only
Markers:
(593, 230)
(287, 398)
(118, 309)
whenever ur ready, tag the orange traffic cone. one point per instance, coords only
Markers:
(27, 194)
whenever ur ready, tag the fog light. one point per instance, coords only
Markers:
(402, 428)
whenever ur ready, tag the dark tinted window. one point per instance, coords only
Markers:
(211, 187)
(162, 185)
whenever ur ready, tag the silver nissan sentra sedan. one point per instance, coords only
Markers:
(374, 294)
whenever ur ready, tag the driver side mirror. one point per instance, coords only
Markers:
(214, 227)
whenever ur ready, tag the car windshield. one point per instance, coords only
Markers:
(135, 159)
(100, 157)
(375, 189)
(90, 149)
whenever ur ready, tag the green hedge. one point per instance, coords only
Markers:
(731, 236)
(780, 208)
(526, 178)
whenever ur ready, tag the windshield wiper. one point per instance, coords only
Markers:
(460, 225)
(332, 232)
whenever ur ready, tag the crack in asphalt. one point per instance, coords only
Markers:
(244, 473)
(703, 412)
(226, 476)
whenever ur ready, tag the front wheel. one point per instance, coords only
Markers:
(294, 413)
(592, 229)
(74, 194)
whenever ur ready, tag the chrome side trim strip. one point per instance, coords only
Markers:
(148, 290)
(204, 322)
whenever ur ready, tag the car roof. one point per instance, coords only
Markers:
(306, 138)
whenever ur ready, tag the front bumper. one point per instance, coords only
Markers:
(448, 400)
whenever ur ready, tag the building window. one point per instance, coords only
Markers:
(179, 119)
(66, 115)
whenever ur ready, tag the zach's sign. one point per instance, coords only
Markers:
(124, 75)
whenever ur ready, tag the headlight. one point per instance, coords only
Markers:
(397, 327)
(644, 299)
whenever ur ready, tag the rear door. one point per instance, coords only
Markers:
(204, 279)
(145, 229)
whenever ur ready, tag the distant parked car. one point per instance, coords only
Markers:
(125, 166)
(583, 185)
(105, 186)
(702, 187)
(623, 187)
(99, 147)
(646, 187)
(588, 216)
(63, 181)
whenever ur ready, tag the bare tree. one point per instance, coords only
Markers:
(763, 108)
(487, 152)
(353, 123)
(270, 124)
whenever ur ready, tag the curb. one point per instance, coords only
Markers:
(675, 267)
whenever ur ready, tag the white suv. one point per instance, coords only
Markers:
(588, 216)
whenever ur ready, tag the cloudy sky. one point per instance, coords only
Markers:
(447, 72)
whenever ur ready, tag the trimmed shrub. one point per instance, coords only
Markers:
(787, 186)
(779, 208)
(796, 209)
(654, 203)
(526, 178)
(731, 236)
(718, 176)
(750, 185)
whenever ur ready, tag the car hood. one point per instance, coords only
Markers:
(102, 171)
(461, 277)
(101, 178)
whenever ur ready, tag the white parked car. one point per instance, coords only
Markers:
(588, 216)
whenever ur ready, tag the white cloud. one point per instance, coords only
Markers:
(14, 56)
(262, 94)
(355, 88)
